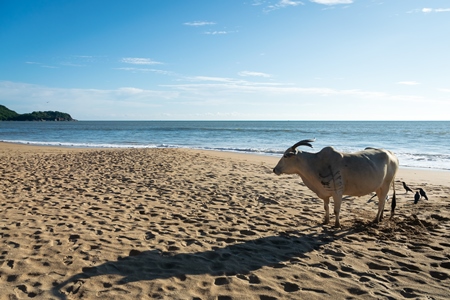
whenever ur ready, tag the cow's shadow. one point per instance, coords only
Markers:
(239, 258)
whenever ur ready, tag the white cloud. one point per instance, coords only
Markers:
(199, 23)
(442, 10)
(255, 74)
(212, 86)
(408, 82)
(41, 65)
(206, 23)
(145, 70)
(139, 61)
(130, 90)
(430, 10)
(209, 78)
(216, 32)
(332, 2)
(281, 4)
(286, 3)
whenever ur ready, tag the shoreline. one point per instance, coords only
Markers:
(424, 149)
(256, 156)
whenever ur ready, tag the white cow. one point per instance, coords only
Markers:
(330, 173)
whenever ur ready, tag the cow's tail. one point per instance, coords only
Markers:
(394, 200)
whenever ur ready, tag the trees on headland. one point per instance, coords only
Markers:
(6, 113)
(9, 115)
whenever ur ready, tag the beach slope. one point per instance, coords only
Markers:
(187, 224)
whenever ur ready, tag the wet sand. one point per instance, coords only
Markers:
(187, 224)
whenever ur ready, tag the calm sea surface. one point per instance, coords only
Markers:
(417, 144)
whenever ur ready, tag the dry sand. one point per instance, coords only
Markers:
(185, 224)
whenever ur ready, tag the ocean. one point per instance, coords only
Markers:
(417, 144)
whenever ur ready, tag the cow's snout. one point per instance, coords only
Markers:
(276, 171)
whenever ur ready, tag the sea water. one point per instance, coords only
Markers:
(417, 144)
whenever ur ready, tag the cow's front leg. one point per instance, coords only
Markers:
(326, 206)
(337, 208)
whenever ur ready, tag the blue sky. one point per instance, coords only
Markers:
(227, 59)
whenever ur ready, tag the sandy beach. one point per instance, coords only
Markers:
(187, 224)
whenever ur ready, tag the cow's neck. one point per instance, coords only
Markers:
(308, 173)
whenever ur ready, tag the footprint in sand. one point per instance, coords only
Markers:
(439, 275)
(75, 287)
(265, 297)
(74, 237)
(247, 232)
(393, 252)
(68, 260)
(221, 281)
(356, 291)
(290, 287)
(409, 267)
(15, 245)
(408, 293)
(24, 289)
(253, 279)
(375, 266)
(10, 264)
(12, 278)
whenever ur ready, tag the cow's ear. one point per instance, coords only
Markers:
(289, 154)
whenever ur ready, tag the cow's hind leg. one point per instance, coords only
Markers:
(326, 206)
(394, 200)
(381, 194)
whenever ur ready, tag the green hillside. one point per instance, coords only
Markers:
(9, 115)
(6, 113)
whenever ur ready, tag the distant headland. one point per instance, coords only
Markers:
(9, 115)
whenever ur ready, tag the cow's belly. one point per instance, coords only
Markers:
(361, 188)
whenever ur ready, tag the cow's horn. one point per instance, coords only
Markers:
(304, 143)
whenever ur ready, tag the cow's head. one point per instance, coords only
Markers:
(287, 164)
